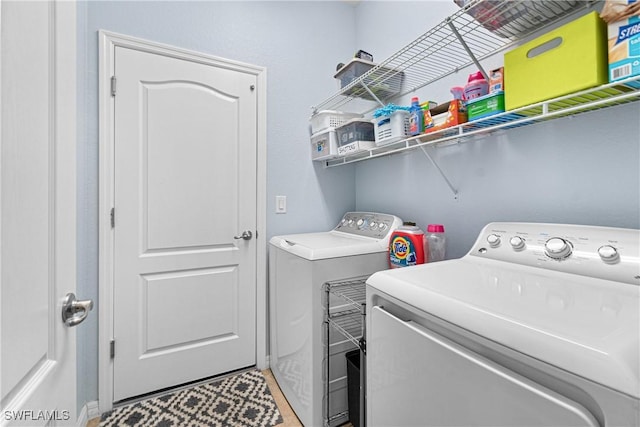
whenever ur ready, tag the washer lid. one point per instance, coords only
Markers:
(330, 244)
(587, 326)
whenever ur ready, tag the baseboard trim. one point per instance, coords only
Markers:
(267, 363)
(89, 411)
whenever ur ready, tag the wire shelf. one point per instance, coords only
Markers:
(477, 31)
(348, 320)
(605, 96)
(349, 325)
(352, 290)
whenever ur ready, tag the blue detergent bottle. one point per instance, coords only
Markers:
(416, 119)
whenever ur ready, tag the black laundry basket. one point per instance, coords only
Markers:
(353, 386)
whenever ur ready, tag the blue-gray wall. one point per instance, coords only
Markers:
(566, 171)
(299, 43)
(583, 169)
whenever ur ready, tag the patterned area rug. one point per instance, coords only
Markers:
(240, 400)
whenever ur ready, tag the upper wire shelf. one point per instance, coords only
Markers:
(476, 31)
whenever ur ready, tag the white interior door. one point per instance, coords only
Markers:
(37, 209)
(185, 187)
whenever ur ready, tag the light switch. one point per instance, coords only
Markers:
(281, 204)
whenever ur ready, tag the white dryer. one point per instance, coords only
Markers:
(538, 325)
(299, 265)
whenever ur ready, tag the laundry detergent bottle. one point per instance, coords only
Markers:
(416, 117)
(407, 246)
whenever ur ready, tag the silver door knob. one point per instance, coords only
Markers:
(246, 235)
(73, 311)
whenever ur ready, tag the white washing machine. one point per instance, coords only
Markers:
(299, 265)
(538, 325)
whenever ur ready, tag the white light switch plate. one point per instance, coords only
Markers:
(281, 204)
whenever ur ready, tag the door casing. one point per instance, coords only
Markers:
(107, 44)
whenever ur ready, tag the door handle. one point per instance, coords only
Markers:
(74, 311)
(246, 235)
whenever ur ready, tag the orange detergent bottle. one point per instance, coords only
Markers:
(407, 246)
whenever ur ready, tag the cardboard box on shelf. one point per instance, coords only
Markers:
(623, 34)
(496, 80)
(485, 106)
(454, 115)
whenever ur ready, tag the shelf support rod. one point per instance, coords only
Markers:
(327, 390)
(451, 187)
(466, 47)
(371, 93)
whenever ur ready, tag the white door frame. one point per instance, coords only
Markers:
(108, 42)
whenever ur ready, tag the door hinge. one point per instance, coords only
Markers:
(112, 349)
(113, 86)
(113, 217)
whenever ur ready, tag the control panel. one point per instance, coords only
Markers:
(603, 252)
(368, 224)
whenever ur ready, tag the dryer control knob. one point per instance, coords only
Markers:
(557, 248)
(493, 240)
(517, 243)
(608, 253)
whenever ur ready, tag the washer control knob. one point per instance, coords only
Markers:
(382, 226)
(608, 253)
(517, 243)
(373, 224)
(557, 248)
(493, 240)
(350, 223)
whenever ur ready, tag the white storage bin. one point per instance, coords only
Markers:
(393, 128)
(324, 145)
(330, 119)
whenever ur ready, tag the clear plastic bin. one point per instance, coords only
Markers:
(354, 136)
(355, 130)
(384, 82)
(514, 18)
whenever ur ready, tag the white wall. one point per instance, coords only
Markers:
(299, 43)
(582, 170)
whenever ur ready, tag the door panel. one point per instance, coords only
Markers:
(37, 212)
(185, 185)
(187, 174)
(211, 295)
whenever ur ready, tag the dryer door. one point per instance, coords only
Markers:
(416, 377)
